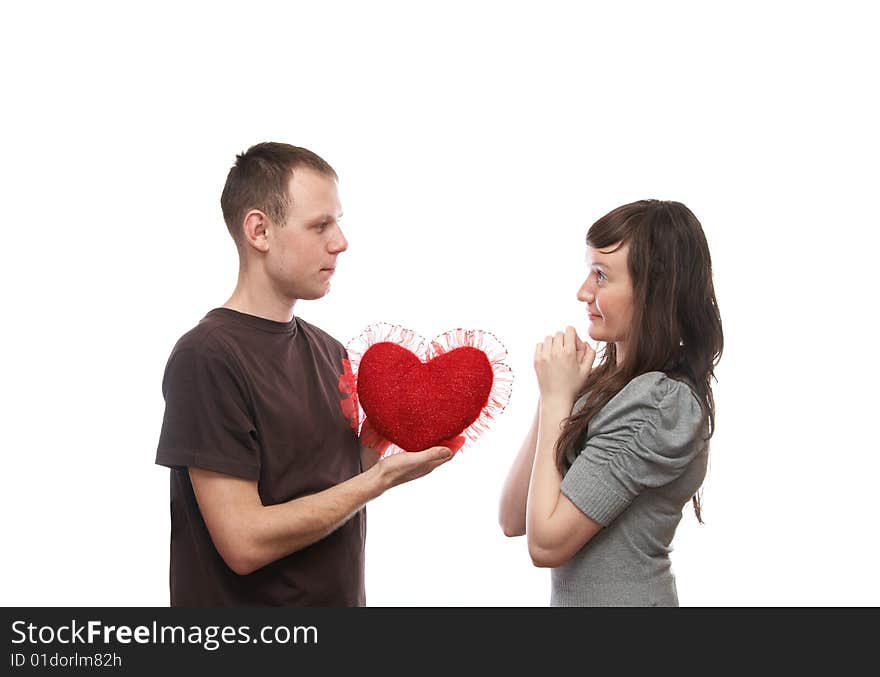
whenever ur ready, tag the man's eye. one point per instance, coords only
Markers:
(600, 276)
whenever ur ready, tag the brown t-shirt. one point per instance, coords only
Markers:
(258, 399)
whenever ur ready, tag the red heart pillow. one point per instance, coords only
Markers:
(418, 394)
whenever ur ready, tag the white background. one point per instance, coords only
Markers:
(476, 142)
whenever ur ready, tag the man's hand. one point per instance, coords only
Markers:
(376, 445)
(409, 465)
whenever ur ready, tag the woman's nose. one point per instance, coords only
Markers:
(585, 293)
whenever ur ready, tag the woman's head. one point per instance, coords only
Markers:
(650, 297)
(649, 290)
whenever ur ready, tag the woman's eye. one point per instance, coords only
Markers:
(600, 276)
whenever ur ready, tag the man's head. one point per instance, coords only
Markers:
(260, 179)
(281, 206)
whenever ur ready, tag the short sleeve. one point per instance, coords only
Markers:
(644, 438)
(207, 422)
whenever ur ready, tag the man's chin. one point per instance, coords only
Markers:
(315, 294)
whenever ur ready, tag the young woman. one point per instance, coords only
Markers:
(617, 449)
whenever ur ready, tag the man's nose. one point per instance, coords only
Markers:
(339, 244)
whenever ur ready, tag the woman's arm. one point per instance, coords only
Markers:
(555, 528)
(512, 507)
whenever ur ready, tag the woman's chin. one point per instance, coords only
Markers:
(595, 335)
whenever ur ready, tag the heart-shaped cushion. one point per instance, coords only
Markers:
(419, 404)
(415, 394)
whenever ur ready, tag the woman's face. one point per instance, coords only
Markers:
(608, 293)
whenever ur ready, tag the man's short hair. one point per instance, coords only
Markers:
(260, 179)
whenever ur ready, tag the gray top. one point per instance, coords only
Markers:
(644, 459)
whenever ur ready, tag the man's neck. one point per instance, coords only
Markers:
(260, 300)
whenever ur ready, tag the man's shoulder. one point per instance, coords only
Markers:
(209, 335)
(206, 348)
(315, 333)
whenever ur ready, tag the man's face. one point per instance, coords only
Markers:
(302, 254)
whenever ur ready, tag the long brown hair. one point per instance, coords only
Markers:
(676, 326)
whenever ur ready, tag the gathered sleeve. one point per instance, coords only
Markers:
(645, 437)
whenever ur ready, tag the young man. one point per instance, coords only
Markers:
(268, 478)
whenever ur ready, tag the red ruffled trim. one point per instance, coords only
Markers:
(351, 407)
(502, 382)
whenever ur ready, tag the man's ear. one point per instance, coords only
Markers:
(255, 226)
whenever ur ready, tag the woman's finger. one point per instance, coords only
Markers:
(571, 339)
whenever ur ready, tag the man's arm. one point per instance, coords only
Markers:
(249, 535)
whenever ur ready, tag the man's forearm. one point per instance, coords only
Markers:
(249, 535)
(287, 527)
